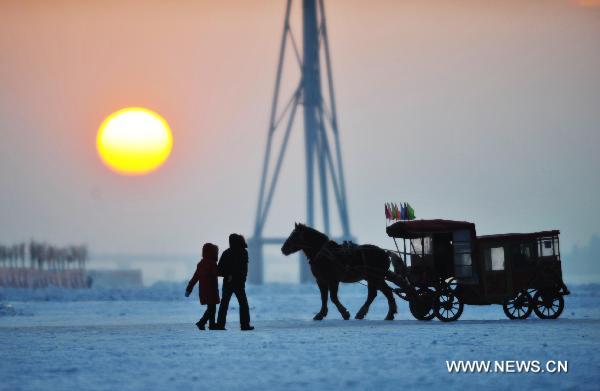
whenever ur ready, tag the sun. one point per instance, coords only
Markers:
(134, 141)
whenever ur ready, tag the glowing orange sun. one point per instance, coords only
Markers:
(134, 141)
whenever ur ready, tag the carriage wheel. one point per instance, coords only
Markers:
(518, 307)
(548, 305)
(449, 306)
(423, 306)
(451, 285)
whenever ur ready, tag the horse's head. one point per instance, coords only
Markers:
(304, 238)
(295, 241)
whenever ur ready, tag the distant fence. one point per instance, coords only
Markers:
(32, 278)
(38, 265)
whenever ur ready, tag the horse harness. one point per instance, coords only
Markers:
(346, 250)
(326, 251)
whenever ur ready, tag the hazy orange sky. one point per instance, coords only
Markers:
(480, 110)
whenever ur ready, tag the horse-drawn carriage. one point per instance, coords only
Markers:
(441, 267)
(447, 266)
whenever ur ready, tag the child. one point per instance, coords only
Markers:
(208, 285)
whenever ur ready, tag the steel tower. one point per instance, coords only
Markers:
(323, 163)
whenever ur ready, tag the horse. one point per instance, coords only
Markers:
(332, 263)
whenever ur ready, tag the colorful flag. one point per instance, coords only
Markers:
(404, 211)
(411, 212)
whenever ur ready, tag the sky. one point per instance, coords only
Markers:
(469, 110)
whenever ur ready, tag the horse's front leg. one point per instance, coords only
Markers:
(324, 288)
(333, 292)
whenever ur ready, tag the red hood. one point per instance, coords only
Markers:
(210, 251)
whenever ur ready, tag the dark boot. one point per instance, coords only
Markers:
(217, 327)
(201, 324)
(210, 316)
(247, 327)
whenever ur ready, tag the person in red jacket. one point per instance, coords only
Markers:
(208, 285)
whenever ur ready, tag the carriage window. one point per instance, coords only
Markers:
(461, 241)
(495, 259)
(526, 251)
(521, 255)
(419, 246)
(462, 259)
(546, 247)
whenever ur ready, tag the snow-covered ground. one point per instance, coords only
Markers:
(146, 339)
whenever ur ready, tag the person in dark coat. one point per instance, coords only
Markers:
(233, 267)
(208, 285)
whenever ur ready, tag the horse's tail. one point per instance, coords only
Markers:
(397, 263)
(400, 276)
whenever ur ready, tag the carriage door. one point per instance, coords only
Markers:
(463, 262)
(495, 270)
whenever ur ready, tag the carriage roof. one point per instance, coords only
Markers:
(519, 236)
(417, 228)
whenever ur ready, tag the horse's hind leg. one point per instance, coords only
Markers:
(388, 293)
(333, 292)
(324, 288)
(362, 312)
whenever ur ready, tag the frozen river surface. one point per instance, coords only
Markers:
(146, 340)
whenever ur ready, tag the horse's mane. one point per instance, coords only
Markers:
(315, 238)
(313, 232)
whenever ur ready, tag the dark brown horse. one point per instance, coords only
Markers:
(332, 263)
